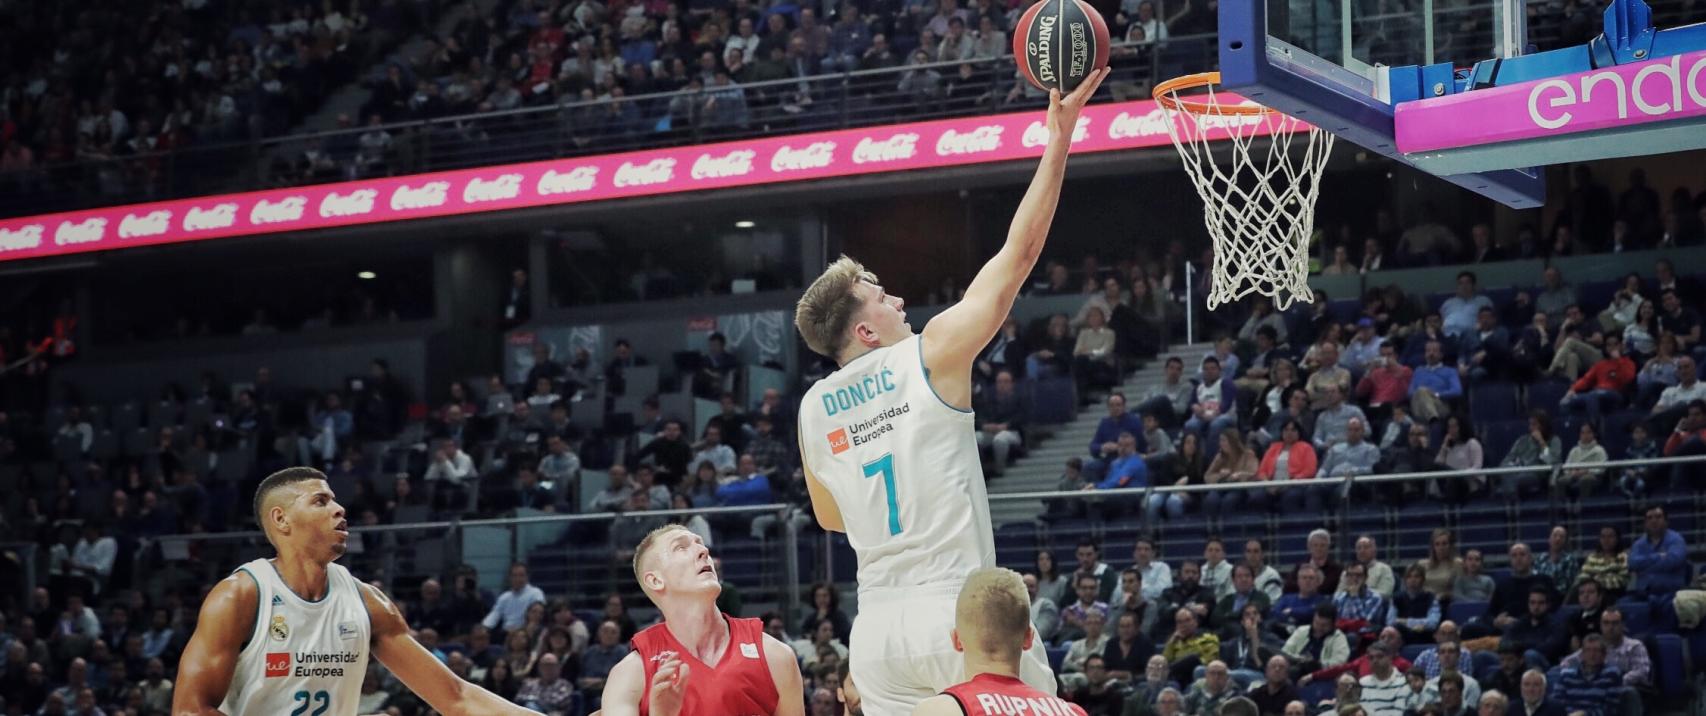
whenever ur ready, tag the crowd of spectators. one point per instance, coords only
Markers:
(1558, 631)
(97, 81)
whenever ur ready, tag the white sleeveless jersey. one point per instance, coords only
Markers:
(303, 658)
(903, 468)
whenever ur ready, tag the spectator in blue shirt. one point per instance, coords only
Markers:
(1660, 558)
(1460, 310)
(510, 611)
(1591, 686)
(1126, 470)
(751, 489)
(1433, 385)
(1105, 445)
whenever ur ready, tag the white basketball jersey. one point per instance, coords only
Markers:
(303, 658)
(903, 468)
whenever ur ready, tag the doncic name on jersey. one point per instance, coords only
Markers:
(861, 390)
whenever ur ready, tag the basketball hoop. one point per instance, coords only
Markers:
(1260, 212)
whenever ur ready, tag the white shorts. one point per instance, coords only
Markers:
(903, 651)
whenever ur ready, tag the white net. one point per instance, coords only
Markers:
(1259, 205)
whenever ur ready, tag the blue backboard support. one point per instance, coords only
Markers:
(1292, 80)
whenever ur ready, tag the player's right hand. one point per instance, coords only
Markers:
(669, 687)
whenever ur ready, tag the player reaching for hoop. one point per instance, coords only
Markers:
(889, 451)
(292, 634)
(992, 625)
(699, 661)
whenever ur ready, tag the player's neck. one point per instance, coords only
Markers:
(977, 665)
(306, 577)
(698, 625)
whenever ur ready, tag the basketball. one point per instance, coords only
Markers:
(1058, 43)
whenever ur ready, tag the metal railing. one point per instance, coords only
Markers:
(1393, 36)
(839, 100)
(573, 556)
(1498, 520)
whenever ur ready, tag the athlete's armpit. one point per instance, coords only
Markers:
(828, 513)
(209, 661)
(785, 671)
(623, 687)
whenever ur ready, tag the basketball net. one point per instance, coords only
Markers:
(1259, 206)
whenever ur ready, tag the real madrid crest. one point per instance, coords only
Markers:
(280, 631)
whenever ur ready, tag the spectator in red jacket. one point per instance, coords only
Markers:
(1688, 439)
(1602, 387)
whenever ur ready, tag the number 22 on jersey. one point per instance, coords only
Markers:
(321, 700)
(885, 466)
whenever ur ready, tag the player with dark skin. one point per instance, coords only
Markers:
(306, 525)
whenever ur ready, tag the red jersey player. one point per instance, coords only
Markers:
(992, 627)
(699, 661)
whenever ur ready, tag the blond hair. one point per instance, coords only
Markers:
(646, 546)
(993, 614)
(826, 309)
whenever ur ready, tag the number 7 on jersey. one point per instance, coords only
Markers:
(885, 466)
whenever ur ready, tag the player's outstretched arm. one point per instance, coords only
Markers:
(210, 659)
(954, 337)
(785, 671)
(422, 672)
(938, 705)
(622, 688)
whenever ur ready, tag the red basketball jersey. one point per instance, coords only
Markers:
(740, 685)
(992, 695)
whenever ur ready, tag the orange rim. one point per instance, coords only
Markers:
(1167, 95)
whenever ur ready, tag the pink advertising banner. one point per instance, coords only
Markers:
(771, 160)
(1624, 96)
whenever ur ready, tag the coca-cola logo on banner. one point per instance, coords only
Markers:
(220, 216)
(86, 231)
(153, 223)
(355, 203)
(478, 190)
(425, 196)
(1148, 124)
(816, 155)
(1036, 133)
(575, 180)
(273, 212)
(20, 239)
(983, 139)
(737, 163)
(656, 171)
(896, 148)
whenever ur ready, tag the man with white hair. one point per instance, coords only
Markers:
(1493, 703)
(1534, 701)
(1319, 545)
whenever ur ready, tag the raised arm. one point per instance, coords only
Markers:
(422, 672)
(209, 661)
(954, 337)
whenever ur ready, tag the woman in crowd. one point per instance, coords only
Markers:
(1233, 463)
(1459, 450)
(1578, 482)
(1291, 458)
(1538, 447)
(1442, 564)
(826, 606)
(1051, 584)
(1608, 564)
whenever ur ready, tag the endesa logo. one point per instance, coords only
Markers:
(278, 664)
(1677, 90)
(838, 442)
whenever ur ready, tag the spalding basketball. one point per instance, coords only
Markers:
(1058, 43)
